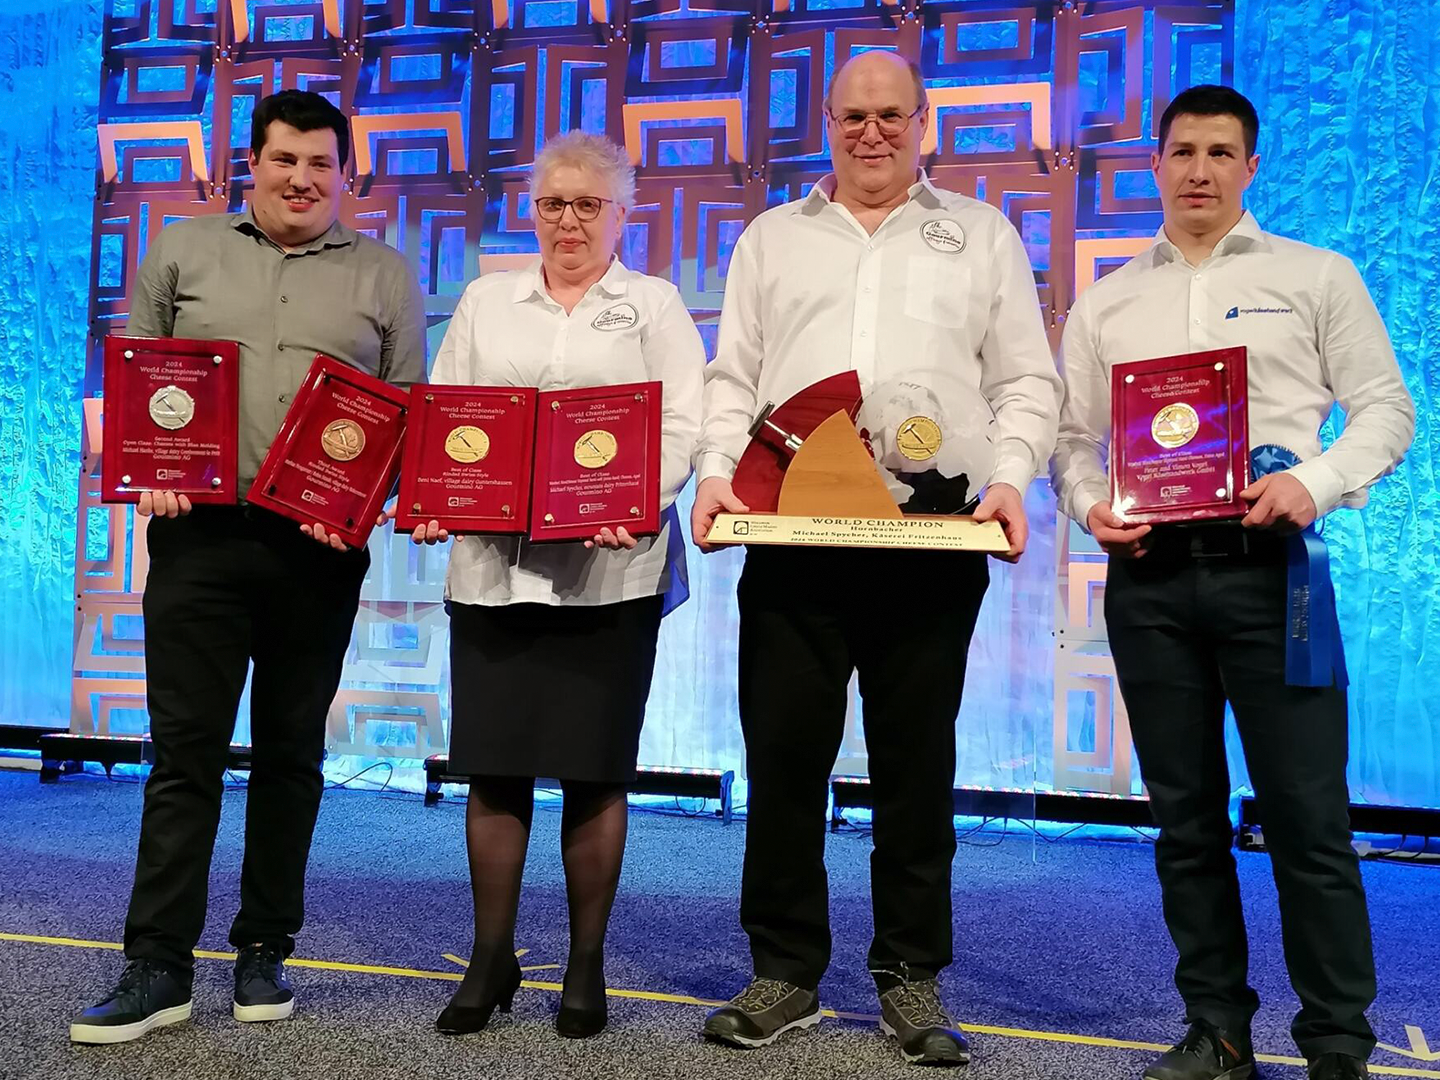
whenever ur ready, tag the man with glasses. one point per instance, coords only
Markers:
(879, 272)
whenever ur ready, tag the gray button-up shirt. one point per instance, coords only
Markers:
(218, 276)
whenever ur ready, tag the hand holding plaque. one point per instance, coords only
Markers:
(337, 453)
(1179, 438)
(905, 477)
(467, 459)
(171, 419)
(597, 462)
(552, 465)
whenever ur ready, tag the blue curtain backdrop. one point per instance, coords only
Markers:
(49, 89)
(1349, 96)
(1351, 161)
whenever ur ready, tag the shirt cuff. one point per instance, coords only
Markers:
(714, 463)
(1017, 474)
(1323, 483)
(1082, 502)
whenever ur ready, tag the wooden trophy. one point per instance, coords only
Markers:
(809, 479)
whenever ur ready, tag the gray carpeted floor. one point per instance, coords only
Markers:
(1061, 937)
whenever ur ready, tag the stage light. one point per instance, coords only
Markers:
(1417, 821)
(650, 780)
(64, 752)
(1022, 804)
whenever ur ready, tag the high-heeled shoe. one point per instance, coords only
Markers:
(581, 1023)
(465, 1019)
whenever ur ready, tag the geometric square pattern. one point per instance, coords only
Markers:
(1045, 110)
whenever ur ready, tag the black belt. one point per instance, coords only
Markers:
(242, 519)
(1218, 540)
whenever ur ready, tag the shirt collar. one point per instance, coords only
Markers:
(531, 281)
(1245, 235)
(338, 235)
(824, 192)
(926, 192)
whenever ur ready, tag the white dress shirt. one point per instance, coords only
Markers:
(507, 331)
(941, 293)
(1313, 338)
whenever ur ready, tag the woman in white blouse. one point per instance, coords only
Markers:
(553, 645)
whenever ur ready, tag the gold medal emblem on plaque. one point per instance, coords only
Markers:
(595, 449)
(918, 438)
(467, 443)
(1175, 425)
(171, 408)
(343, 440)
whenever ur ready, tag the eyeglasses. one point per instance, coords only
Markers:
(891, 122)
(587, 207)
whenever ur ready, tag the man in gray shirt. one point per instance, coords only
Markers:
(229, 585)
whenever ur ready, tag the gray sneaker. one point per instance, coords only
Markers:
(761, 1013)
(912, 1015)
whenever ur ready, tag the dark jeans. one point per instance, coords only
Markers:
(808, 619)
(228, 585)
(1189, 632)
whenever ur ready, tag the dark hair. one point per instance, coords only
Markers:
(1210, 100)
(303, 110)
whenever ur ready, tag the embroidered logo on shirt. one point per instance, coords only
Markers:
(1236, 312)
(945, 235)
(619, 317)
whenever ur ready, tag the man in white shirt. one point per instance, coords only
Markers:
(1197, 616)
(878, 272)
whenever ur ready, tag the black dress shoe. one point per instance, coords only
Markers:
(761, 1013)
(465, 1019)
(911, 1014)
(1338, 1067)
(148, 995)
(581, 1023)
(584, 985)
(1206, 1053)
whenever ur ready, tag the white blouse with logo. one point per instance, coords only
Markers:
(1313, 338)
(630, 327)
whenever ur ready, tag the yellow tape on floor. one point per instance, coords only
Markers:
(683, 999)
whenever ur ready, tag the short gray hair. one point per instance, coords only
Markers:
(581, 150)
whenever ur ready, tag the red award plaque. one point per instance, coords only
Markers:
(597, 462)
(1179, 445)
(171, 419)
(467, 462)
(336, 455)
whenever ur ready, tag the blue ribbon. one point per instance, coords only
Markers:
(1314, 652)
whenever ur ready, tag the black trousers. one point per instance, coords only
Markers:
(228, 585)
(808, 619)
(1195, 623)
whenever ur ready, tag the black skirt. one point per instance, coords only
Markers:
(552, 691)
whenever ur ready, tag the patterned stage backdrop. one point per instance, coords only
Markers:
(1045, 110)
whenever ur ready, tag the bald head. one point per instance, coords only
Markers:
(866, 67)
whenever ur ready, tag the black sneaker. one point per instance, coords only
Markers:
(1338, 1067)
(148, 995)
(261, 989)
(911, 1014)
(762, 1012)
(1206, 1053)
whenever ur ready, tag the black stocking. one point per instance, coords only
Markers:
(592, 845)
(497, 832)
